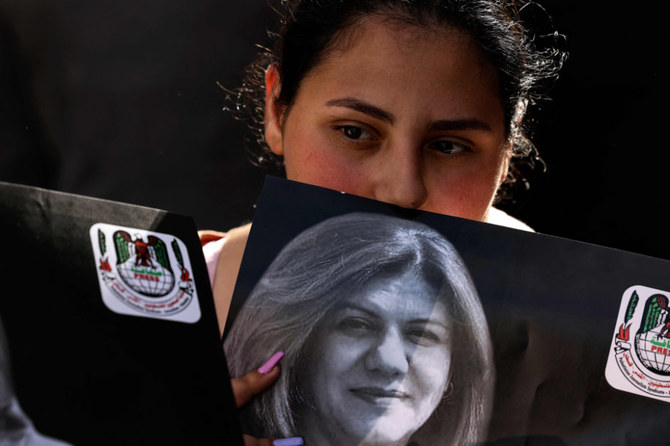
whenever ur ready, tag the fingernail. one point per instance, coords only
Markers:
(272, 362)
(293, 441)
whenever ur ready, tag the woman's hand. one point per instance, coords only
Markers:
(246, 387)
(207, 236)
(253, 383)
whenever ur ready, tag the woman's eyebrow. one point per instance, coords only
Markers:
(383, 115)
(359, 307)
(363, 107)
(426, 322)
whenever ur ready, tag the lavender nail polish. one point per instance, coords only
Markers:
(293, 441)
(272, 362)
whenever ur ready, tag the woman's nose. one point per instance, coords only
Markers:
(400, 178)
(388, 356)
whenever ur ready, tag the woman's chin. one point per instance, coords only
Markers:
(380, 436)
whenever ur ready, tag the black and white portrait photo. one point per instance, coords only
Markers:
(384, 336)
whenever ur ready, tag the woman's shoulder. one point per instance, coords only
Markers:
(216, 243)
(501, 218)
(223, 255)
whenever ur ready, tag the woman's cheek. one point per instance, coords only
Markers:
(339, 351)
(462, 192)
(315, 155)
(432, 367)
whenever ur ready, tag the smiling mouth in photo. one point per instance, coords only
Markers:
(379, 396)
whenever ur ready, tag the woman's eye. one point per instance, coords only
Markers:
(423, 337)
(449, 147)
(354, 132)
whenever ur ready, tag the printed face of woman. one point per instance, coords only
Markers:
(408, 116)
(377, 366)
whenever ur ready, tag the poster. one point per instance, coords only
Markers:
(108, 333)
(408, 327)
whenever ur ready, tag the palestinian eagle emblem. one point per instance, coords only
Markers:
(146, 273)
(639, 359)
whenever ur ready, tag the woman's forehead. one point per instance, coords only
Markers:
(406, 294)
(404, 31)
(374, 33)
(440, 74)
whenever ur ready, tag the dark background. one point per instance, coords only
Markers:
(119, 100)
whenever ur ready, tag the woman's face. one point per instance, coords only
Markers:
(409, 116)
(377, 366)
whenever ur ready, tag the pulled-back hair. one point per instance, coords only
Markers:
(311, 29)
(333, 260)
